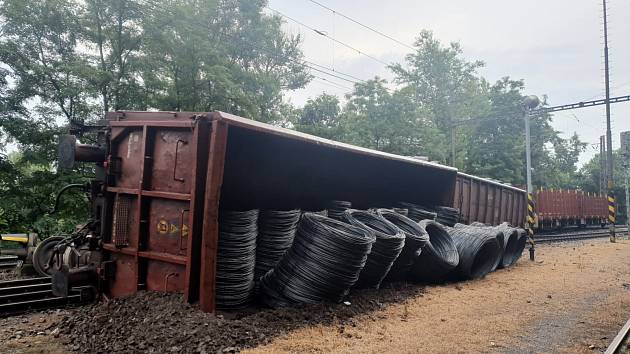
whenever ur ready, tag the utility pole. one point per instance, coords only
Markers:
(602, 165)
(453, 145)
(626, 172)
(625, 152)
(531, 102)
(609, 158)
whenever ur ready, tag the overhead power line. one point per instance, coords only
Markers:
(302, 62)
(324, 80)
(363, 25)
(324, 34)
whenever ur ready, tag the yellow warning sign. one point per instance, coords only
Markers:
(162, 226)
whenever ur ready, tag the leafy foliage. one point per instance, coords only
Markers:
(68, 61)
(589, 176)
(442, 104)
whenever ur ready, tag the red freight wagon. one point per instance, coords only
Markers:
(489, 202)
(167, 173)
(558, 208)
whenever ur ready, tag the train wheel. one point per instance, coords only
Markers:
(43, 253)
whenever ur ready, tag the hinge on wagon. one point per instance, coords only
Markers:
(120, 227)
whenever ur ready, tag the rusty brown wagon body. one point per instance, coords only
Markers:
(489, 202)
(169, 172)
(559, 208)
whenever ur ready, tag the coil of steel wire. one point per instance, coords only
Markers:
(479, 251)
(236, 258)
(415, 240)
(276, 229)
(511, 251)
(447, 216)
(438, 258)
(514, 241)
(336, 209)
(418, 212)
(500, 236)
(521, 243)
(390, 241)
(401, 211)
(322, 212)
(323, 263)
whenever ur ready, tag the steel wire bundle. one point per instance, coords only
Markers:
(418, 212)
(390, 241)
(438, 258)
(479, 250)
(276, 230)
(514, 241)
(498, 234)
(521, 243)
(236, 258)
(402, 211)
(336, 209)
(511, 251)
(322, 212)
(323, 263)
(415, 240)
(447, 216)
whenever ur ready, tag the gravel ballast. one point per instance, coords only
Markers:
(163, 323)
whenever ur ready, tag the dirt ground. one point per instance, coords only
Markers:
(573, 299)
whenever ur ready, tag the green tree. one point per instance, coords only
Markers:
(441, 82)
(589, 176)
(494, 145)
(388, 121)
(111, 29)
(67, 61)
(322, 117)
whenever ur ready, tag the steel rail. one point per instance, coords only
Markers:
(14, 308)
(7, 265)
(551, 233)
(23, 295)
(618, 343)
(9, 262)
(572, 237)
(24, 281)
(21, 289)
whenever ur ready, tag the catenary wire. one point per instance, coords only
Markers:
(305, 62)
(327, 36)
(363, 25)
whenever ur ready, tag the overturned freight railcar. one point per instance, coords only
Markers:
(489, 202)
(168, 173)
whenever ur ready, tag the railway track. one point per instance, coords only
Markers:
(621, 343)
(8, 262)
(575, 236)
(23, 295)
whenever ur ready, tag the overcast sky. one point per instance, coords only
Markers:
(555, 46)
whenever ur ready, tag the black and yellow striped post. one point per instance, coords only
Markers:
(611, 215)
(530, 224)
